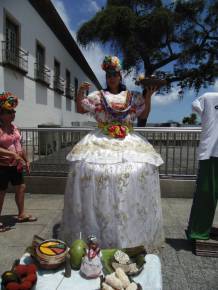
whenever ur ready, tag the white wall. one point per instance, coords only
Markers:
(38, 104)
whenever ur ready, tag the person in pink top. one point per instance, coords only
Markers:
(12, 158)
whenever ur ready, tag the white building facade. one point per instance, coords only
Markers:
(41, 64)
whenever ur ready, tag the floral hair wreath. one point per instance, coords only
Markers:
(8, 101)
(111, 63)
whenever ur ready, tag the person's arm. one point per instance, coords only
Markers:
(80, 96)
(27, 163)
(5, 152)
(22, 153)
(147, 93)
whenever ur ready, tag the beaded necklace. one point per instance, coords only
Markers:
(119, 115)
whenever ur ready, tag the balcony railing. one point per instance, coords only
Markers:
(16, 58)
(70, 92)
(42, 74)
(47, 149)
(58, 84)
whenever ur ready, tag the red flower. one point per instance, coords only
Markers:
(122, 129)
(111, 128)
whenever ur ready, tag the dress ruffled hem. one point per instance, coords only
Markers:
(120, 158)
(98, 148)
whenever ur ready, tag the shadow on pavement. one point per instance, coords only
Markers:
(8, 220)
(56, 231)
(180, 244)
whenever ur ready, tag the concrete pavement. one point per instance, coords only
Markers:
(182, 270)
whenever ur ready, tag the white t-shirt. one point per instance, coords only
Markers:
(207, 107)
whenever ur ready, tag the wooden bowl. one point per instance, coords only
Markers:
(51, 253)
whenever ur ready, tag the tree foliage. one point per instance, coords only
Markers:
(178, 41)
(190, 120)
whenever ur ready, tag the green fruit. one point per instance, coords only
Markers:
(77, 252)
(107, 256)
(140, 261)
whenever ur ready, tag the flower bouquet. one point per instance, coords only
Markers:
(115, 129)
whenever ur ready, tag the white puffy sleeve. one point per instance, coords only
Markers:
(198, 105)
(91, 102)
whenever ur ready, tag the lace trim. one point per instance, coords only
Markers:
(114, 146)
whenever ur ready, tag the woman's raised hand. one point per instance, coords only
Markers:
(85, 86)
(149, 91)
(81, 94)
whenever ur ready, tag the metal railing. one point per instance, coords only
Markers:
(58, 84)
(47, 148)
(70, 92)
(42, 74)
(16, 57)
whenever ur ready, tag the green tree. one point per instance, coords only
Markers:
(150, 35)
(191, 120)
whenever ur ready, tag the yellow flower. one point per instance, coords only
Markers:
(117, 130)
(115, 60)
(141, 77)
(6, 105)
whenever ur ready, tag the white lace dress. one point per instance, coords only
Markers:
(113, 188)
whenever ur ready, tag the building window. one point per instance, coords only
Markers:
(42, 73)
(58, 81)
(12, 54)
(69, 90)
(76, 83)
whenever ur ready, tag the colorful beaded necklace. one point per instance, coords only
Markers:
(119, 115)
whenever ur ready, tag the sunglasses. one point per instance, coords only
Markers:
(112, 74)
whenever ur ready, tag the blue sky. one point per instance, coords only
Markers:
(164, 107)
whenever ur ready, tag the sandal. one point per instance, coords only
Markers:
(26, 219)
(4, 228)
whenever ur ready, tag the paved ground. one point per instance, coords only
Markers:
(182, 270)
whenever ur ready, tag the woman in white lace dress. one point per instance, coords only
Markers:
(113, 188)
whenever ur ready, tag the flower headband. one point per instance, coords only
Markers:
(111, 63)
(8, 101)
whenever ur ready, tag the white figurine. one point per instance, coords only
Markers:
(91, 266)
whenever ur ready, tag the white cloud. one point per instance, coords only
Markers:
(130, 82)
(157, 99)
(166, 98)
(216, 85)
(95, 54)
(92, 6)
(59, 6)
